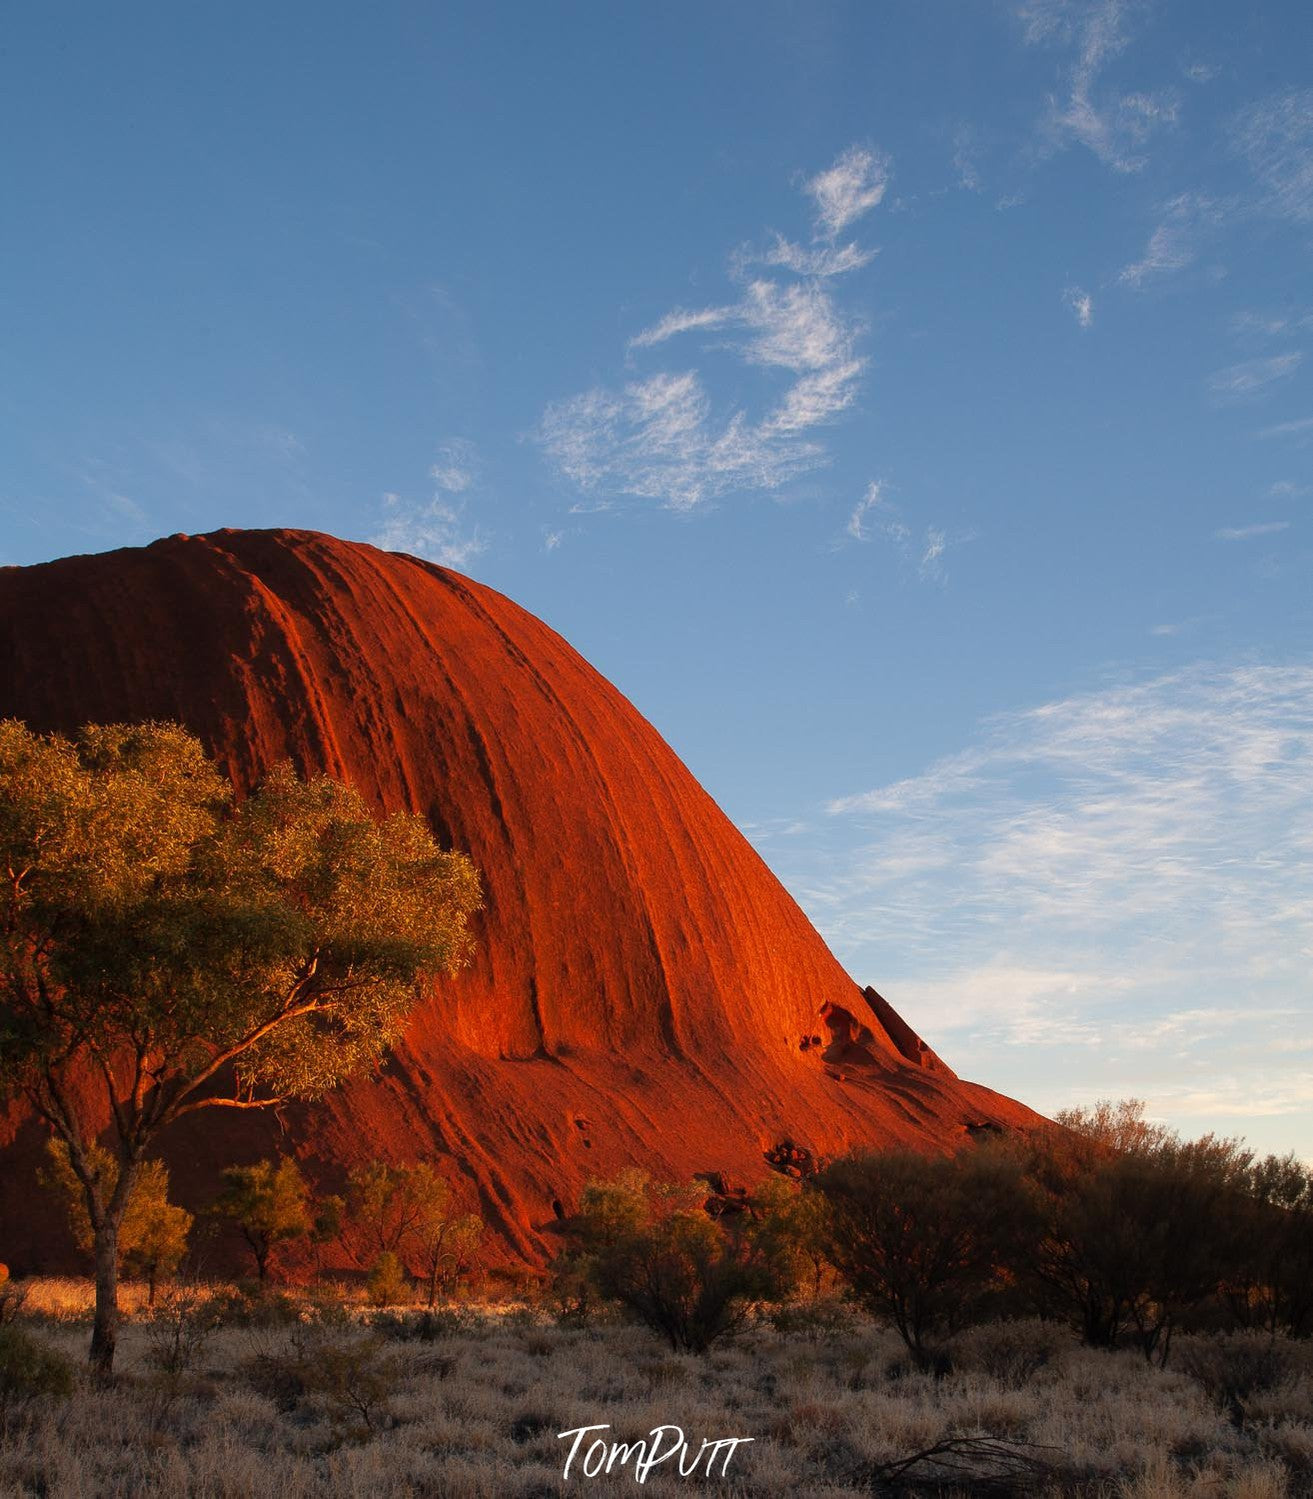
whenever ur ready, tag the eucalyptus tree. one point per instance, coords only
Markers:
(166, 948)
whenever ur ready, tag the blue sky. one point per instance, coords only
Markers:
(909, 406)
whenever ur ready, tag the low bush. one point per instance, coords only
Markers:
(350, 1378)
(1237, 1366)
(30, 1368)
(422, 1326)
(818, 1318)
(1011, 1352)
(249, 1305)
(387, 1280)
(655, 1252)
(178, 1327)
(12, 1298)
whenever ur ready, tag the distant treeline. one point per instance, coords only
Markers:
(1107, 1221)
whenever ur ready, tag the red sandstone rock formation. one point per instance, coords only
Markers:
(645, 991)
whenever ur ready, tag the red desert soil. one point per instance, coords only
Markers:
(645, 991)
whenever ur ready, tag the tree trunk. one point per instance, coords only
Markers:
(104, 1330)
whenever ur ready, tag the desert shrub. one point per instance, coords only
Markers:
(1236, 1367)
(1012, 1351)
(408, 1212)
(28, 1367)
(154, 1231)
(350, 1378)
(654, 1251)
(795, 1218)
(923, 1241)
(530, 1424)
(248, 1305)
(426, 1326)
(178, 1327)
(386, 1285)
(1140, 1229)
(12, 1299)
(270, 1203)
(573, 1299)
(1272, 1287)
(815, 1318)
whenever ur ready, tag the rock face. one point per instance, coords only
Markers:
(645, 990)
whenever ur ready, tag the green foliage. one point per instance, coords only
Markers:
(797, 1219)
(153, 1233)
(1111, 1221)
(148, 912)
(270, 1203)
(447, 1249)
(387, 1280)
(923, 1241)
(655, 1251)
(29, 1368)
(390, 1205)
(1138, 1226)
(191, 952)
(406, 1211)
(251, 1305)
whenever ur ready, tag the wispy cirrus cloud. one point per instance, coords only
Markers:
(1301, 427)
(1098, 863)
(1081, 304)
(1250, 378)
(436, 528)
(810, 260)
(1173, 244)
(1251, 532)
(1275, 137)
(876, 516)
(665, 437)
(872, 512)
(854, 185)
(1254, 326)
(456, 467)
(680, 321)
(1114, 125)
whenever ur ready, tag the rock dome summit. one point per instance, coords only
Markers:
(644, 992)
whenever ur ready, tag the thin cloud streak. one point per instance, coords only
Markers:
(1275, 137)
(661, 437)
(1088, 860)
(1114, 126)
(1173, 244)
(436, 529)
(1297, 428)
(1242, 382)
(1247, 533)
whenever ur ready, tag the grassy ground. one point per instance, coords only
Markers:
(326, 1405)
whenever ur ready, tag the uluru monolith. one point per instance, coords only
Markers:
(645, 991)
